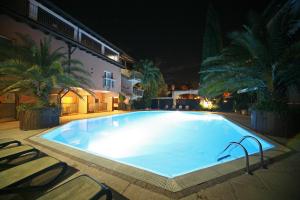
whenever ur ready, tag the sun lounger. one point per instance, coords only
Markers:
(10, 154)
(8, 141)
(81, 187)
(13, 179)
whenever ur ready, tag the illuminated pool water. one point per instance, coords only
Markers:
(168, 143)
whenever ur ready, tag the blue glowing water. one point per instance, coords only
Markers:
(168, 143)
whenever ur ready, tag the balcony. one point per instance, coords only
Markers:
(134, 77)
(48, 18)
(138, 92)
(91, 44)
(58, 23)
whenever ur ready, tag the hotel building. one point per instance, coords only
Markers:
(106, 63)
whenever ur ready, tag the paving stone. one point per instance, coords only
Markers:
(281, 182)
(287, 166)
(247, 192)
(139, 193)
(190, 197)
(247, 179)
(221, 191)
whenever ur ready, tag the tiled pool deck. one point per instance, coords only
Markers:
(279, 181)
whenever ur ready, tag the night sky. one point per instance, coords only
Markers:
(169, 33)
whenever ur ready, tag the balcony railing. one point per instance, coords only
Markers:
(88, 42)
(97, 107)
(101, 107)
(45, 16)
(52, 22)
(138, 92)
(68, 108)
(131, 77)
(136, 75)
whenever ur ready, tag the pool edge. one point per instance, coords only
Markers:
(176, 187)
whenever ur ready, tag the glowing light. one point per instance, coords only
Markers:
(226, 94)
(206, 104)
(114, 57)
(67, 100)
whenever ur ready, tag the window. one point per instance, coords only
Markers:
(108, 74)
(108, 81)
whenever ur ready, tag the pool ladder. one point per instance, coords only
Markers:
(246, 152)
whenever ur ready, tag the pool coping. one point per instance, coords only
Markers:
(176, 187)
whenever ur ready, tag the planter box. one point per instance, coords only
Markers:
(37, 119)
(274, 124)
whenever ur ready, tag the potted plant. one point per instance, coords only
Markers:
(33, 117)
(34, 70)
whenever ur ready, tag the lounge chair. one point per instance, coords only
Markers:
(15, 179)
(8, 141)
(81, 187)
(13, 153)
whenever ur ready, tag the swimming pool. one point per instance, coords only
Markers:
(167, 143)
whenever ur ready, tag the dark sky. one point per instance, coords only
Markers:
(169, 32)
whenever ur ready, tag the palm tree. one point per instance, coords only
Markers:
(152, 80)
(262, 57)
(29, 68)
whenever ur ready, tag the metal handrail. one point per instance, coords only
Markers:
(246, 152)
(260, 149)
(246, 155)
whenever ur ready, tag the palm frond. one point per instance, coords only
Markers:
(36, 69)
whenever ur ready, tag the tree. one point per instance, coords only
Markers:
(33, 69)
(152, 80)
(263, 57)
(212, 39)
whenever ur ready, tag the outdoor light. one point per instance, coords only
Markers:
(206, 104)
(67, 100)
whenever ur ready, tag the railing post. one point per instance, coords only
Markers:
(33, 10)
